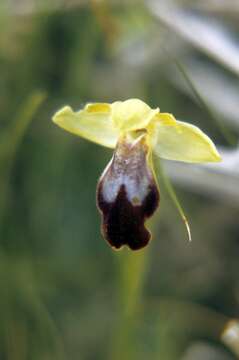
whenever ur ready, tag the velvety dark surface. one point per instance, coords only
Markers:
(129, 174)
(123, 222)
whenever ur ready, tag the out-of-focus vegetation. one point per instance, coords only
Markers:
(64, 293)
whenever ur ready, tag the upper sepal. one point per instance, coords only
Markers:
(132, 114)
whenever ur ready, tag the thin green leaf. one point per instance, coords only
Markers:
(11, 139)
(227, 134)
(174, 198)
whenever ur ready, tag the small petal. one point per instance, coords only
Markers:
(132, 114)
(177, 140)
(92, 123)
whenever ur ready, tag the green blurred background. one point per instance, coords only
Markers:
(65, 294)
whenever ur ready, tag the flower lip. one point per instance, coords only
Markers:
(123, 221)
(127, 194)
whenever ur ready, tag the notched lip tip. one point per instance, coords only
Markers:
(128, 247)
(120, 248)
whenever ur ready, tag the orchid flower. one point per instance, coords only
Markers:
(127, 191)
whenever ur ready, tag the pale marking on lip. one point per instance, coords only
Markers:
(127, 167)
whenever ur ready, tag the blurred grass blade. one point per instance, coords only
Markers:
(23, 284)
(210, 82)
(230, 336)
(205, 33)
(16, 130)
(10, 140)
(174, 198)
(228, 135)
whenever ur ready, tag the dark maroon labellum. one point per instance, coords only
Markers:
(127, 194)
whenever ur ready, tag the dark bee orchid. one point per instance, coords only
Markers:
(127, 191)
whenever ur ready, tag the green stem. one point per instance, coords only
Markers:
(132, 273)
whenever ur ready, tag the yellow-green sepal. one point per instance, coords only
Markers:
(177, 140)
(93, 123)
